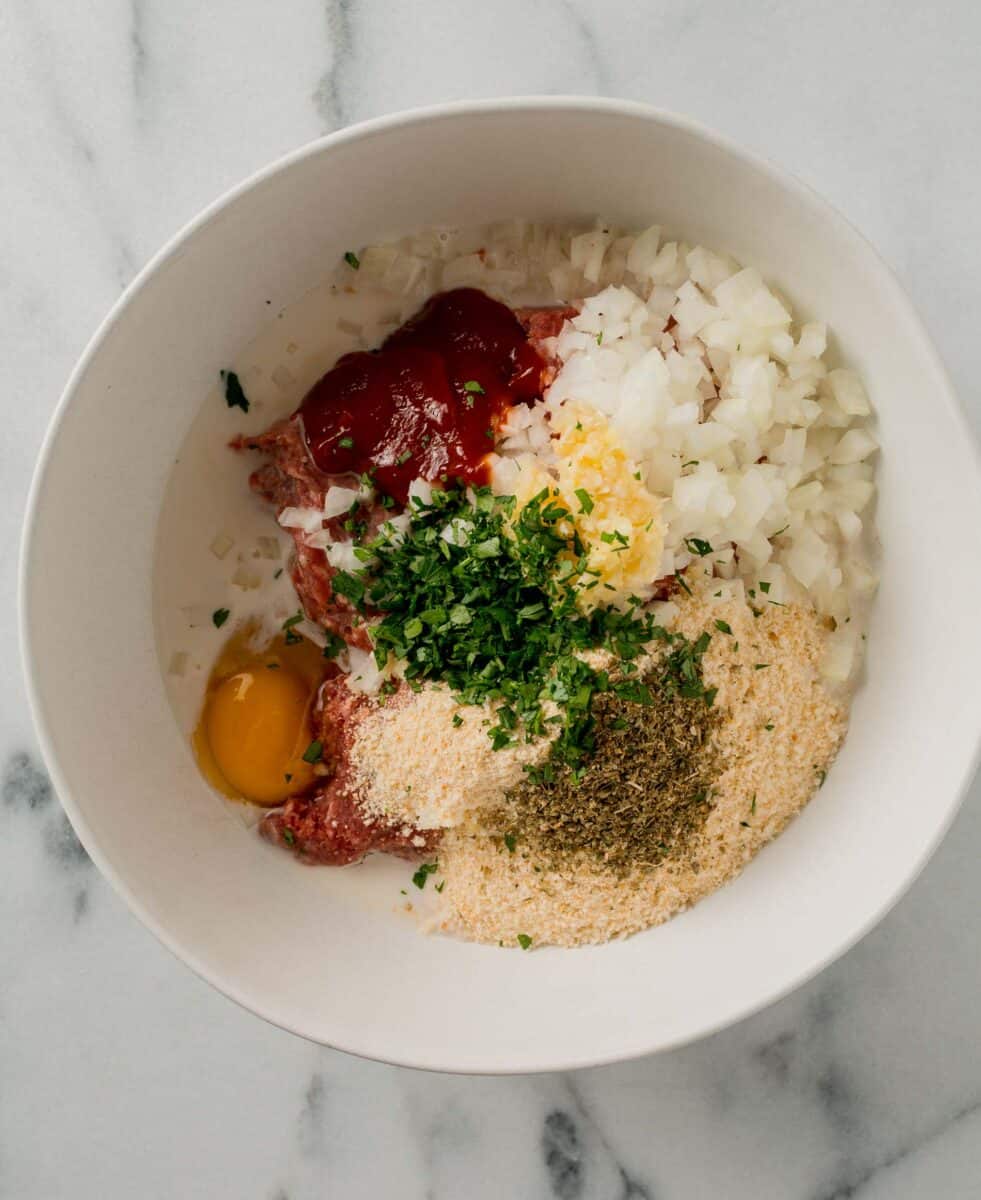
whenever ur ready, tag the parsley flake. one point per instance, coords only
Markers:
(314, 752)
(234, 395)
(420, 877)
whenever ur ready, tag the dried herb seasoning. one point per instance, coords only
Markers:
(642, 795)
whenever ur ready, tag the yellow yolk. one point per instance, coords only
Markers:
(258, 730)
(256, 727)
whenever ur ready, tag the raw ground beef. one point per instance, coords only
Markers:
(327, 827)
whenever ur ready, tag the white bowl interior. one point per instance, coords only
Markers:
(306, 949)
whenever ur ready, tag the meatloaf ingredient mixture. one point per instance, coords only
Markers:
(587, 579)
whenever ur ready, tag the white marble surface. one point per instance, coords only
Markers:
(123, 1075)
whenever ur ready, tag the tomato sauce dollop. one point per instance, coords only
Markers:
(428, 403)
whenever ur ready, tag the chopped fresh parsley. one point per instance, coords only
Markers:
(511, 842)
(291, 621)
(764, 586)
(420, 877)
(682, 583)
(314, 752)
(698, 546)
(769, 728)
(333, 645)
(346, 442)
(585, 501)
(497, 617)
(289, 837)
(760, 666)
(352, 260)
(234, 395)
(403, 458)
(220, 616)
(599, 338)
(439, 886)
(473, 386)
(524, 941)
(724, 627)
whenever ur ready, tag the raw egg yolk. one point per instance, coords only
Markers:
(257, 726)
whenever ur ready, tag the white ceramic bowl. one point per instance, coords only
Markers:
(299, 946)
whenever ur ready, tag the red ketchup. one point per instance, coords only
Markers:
(427, 404)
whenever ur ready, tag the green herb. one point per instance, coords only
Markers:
(745, 824)
(723, 627)
(420, 877)
(234, 395)
(599, 338)
(289, 837)
(764, 586)
(346, 442)
(752, 807)
(682, 583)
(314, 752)
(760, 666)
(489, 432)
(352, 260)
(691, 463)
(645, 785)
(698, 546)
(473, 386)
(350, 586)
(278, 573)
(511, 842)
(585, 501)
(457, 720)
(292, 638)
(497, 617)
(439, 886)
(333, 645)
(220, 616)
(294, 620)
(403, 458)
(780, 531)
(822, 776)
(524, 941)
(769, 728)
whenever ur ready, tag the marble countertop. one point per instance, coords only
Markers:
(121, 1074)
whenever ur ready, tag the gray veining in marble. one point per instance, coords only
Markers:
(123, 1075)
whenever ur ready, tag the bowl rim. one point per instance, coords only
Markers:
(406, 119)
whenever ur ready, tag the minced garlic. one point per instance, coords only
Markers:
(617, 519)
